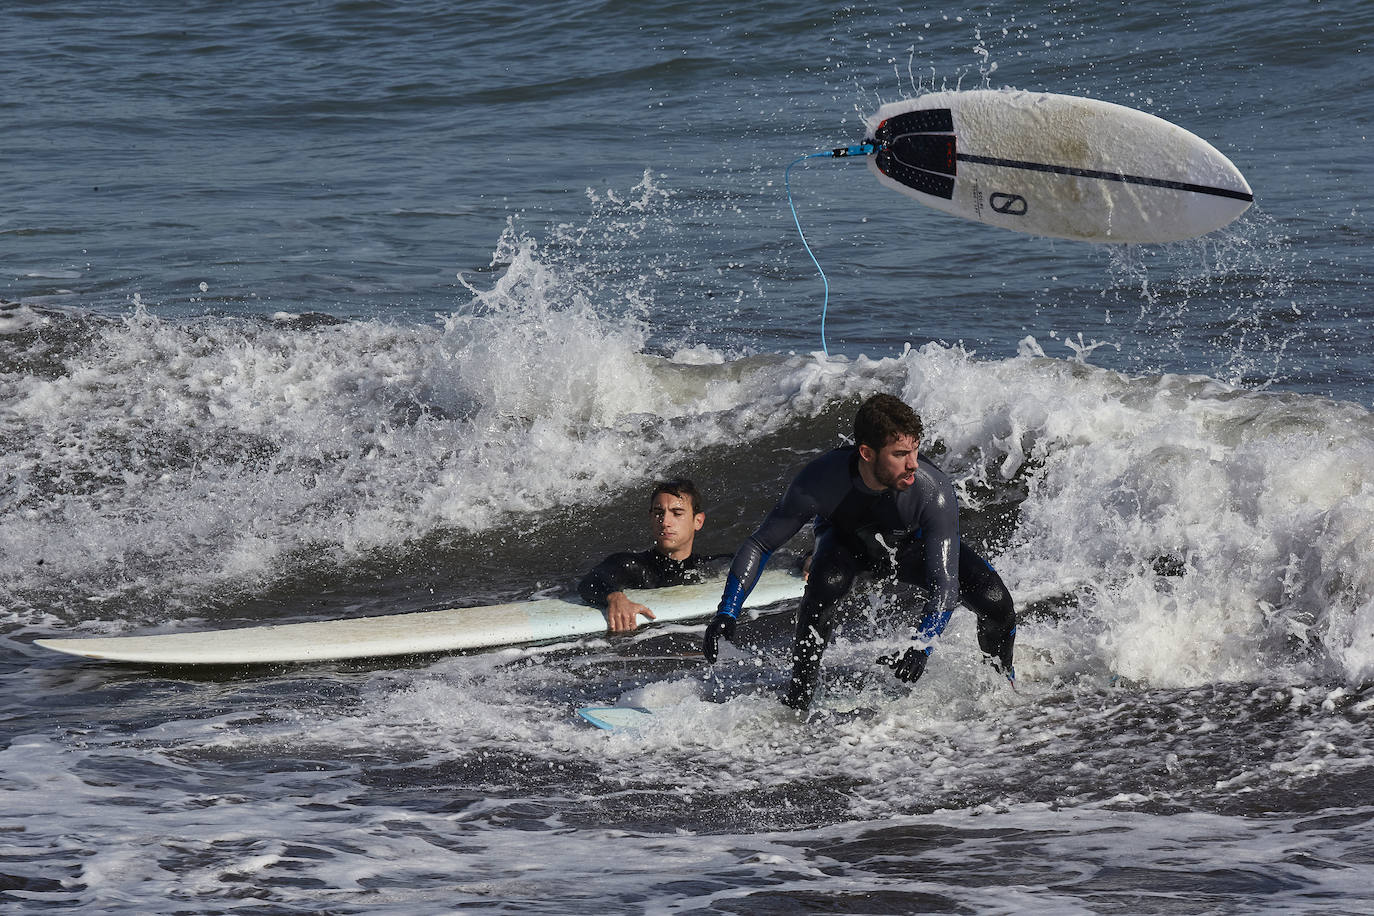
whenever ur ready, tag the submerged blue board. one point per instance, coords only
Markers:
(616, 718)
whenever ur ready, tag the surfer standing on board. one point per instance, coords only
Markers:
(675, 516)
(878, 511)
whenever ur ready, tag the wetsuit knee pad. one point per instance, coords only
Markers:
(815, 615)
(997, 626)
(983, 592)
(832, 573)
(994, 607)
(828, 585)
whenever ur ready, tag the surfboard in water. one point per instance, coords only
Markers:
(616, 718)
(414, 633)
(1055, 165)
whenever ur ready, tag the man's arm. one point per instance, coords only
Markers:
(939, 526)
(940, 529)
(793, 511)
(605, 587)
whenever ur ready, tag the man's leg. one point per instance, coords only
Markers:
(832, 573)
(981, 590)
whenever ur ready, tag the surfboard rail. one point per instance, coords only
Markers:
(414, 633)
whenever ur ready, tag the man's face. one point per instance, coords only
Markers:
(893, 465)
(674, 524)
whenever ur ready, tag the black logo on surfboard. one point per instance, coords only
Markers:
(1010, 204)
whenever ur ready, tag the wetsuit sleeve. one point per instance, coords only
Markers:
(794, 510)
(616, 573)
(940, 529)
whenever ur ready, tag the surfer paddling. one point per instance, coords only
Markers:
(878, 512)
(675, 516)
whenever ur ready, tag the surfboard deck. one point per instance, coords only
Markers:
(1055, 165)
(414, 633)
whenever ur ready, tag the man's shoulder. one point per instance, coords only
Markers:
(936, 475)
(834, 464)
(621, 557)
(707, 560)
(933, 488)
(839, 456)
(620, 564)
(701, 566)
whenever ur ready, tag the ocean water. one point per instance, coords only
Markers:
(326, 309)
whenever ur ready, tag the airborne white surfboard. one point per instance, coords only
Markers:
(1055, 165)
(415, 633)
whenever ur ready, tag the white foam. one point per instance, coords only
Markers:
(15, 318)
(1258, 502)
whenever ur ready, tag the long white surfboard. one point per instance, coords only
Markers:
(1055, 165)
(414, 633)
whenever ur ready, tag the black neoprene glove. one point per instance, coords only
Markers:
(908, 666)
(720, 625)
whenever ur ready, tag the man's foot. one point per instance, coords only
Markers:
(798, 697)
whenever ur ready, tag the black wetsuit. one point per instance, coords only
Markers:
(649, 569)
(913, 533)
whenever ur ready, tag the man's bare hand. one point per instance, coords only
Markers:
(622, 614)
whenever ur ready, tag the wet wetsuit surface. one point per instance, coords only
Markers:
(913, 533)
(649, 569)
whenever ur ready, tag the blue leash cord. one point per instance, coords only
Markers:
(787, 183)
(861, 150)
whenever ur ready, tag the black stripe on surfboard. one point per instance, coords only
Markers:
(1107, 176)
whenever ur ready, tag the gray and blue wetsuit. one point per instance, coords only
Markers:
(913, 533)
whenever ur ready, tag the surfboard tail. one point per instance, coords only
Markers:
(919, 150)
